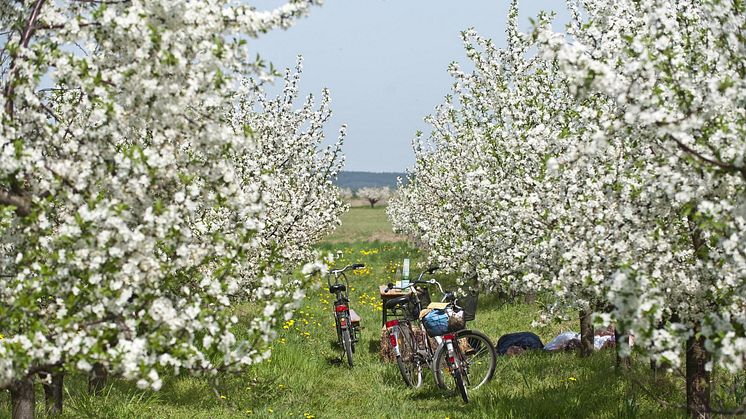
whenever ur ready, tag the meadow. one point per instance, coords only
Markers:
(306, 378)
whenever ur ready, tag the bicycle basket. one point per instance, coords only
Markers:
(424, 295)
(468, 304)
(439, 322)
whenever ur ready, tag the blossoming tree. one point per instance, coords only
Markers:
(374, 194)
(301, 202)
(133, 209)
(675, 71)
(488, 196)
(606, 169)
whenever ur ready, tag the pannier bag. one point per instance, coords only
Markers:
(438, 322)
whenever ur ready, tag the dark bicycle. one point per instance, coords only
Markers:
(467, 355)
(346, 320)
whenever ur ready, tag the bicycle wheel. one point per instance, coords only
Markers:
(478, 355)
(347, 343)
(459, 380)
(409, 365)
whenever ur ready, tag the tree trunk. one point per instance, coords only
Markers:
(53, 393)
(621, 340)
(586, 334)
(97, 379)
(530, 297)
(697, 378)
(22, 399)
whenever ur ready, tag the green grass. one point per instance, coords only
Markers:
(364, 224)
(306, 376)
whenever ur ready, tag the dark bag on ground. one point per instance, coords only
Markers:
(525, 340)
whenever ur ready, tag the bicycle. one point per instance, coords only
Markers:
(468, 355)
(346, 320)
(407, 336)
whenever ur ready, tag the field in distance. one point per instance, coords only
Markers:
(362, 224)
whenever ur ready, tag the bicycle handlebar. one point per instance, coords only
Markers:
(340, 272)
(391, 286)
(346, 268)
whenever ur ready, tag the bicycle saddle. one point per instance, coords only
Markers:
(337, 288)
(396, 302)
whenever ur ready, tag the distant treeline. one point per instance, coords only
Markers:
(357, 180)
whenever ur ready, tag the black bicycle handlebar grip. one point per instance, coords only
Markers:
(433, 269)
(388, 287)
(358, 266)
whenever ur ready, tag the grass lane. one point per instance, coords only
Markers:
(306, 377)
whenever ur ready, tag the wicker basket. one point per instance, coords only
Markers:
(468, 303)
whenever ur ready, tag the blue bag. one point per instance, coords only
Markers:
(438, 322)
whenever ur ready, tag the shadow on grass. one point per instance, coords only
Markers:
(563, 385)
(374, 346)
(334, 345)
(541, 384)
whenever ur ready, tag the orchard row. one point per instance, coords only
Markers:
(603, 167)
(147, 184)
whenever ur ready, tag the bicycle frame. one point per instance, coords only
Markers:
(423, 350)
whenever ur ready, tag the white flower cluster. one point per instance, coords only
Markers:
(136, 202)
(607, 169)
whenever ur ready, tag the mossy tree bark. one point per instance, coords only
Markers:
(697, 378)
(53, 392)
(22, 399)
(586, 333)
(621, 339)
(97, 380)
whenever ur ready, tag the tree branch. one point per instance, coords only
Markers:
(727, 167)
(22, 204)
(28, 31)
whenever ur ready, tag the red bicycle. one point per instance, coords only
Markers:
(346, 319)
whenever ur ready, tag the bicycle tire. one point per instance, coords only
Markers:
(409, 367)
(480, 360)
(459, 379)
(347, 343)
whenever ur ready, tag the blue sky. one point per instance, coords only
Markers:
(385, 63)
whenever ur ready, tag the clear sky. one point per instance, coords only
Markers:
(385, 63)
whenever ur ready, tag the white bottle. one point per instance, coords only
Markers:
(405, 273)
